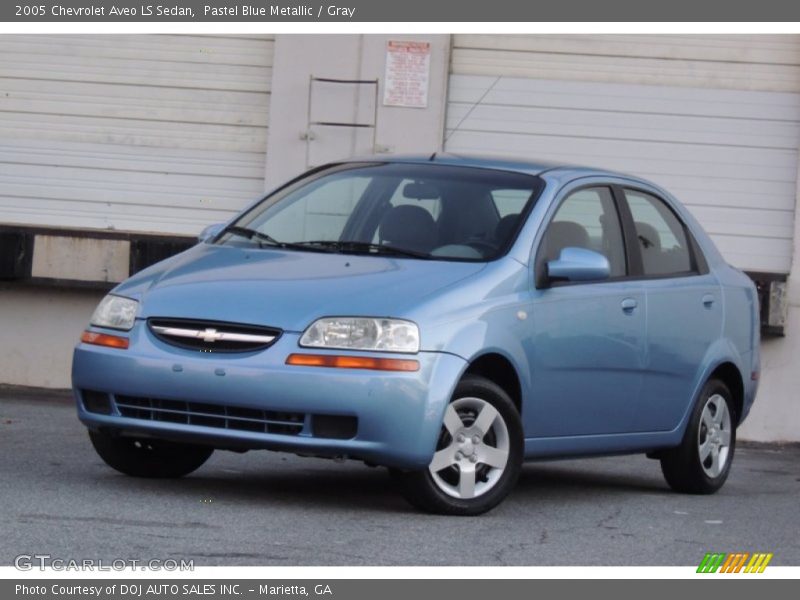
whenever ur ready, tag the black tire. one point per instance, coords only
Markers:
(682, 466)
(420, 488)
(155, 459)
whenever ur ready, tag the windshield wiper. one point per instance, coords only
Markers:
(355, 246)
(262, 238)
(322, 245)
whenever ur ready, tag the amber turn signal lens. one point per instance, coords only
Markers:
(352, 362)
(102, 339)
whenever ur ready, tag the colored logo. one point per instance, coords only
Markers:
(737, 562)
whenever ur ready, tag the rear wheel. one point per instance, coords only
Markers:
(149, 458)
(478, 456)
(700, 465)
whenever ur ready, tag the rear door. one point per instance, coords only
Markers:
(684, 309)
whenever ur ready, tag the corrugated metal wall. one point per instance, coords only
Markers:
(129, 132)
(744, 62)
(715, 119)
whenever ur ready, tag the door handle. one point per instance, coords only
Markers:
(628, 305)
(708, 300)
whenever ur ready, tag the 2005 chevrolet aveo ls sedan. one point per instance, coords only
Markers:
(447, 317)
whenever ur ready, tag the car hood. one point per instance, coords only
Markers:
(287, 289)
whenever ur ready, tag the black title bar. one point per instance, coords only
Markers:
(264, 11)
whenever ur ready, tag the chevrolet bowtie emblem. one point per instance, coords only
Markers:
(210, 335)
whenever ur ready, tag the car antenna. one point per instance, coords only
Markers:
(433, 157)
(471, 108)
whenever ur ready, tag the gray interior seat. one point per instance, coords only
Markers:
(650, 246)
(410, 227)
(505, 227)
(564, 234)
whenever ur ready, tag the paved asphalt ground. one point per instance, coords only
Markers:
(263, 508)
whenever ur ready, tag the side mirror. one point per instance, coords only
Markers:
(210, 232)
(578, 264)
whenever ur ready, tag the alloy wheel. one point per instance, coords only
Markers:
(473, 449)
(714, 436)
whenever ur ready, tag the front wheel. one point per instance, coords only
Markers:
(478, 455)
(149, 458)
(700, 465)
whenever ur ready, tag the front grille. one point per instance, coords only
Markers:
(211, 415)
(212, 336)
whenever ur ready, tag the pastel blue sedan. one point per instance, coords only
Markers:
(447, 317)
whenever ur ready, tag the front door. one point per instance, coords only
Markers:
(587, 344)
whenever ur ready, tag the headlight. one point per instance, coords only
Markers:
(357, 333)
(115, 312)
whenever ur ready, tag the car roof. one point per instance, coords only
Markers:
(497, 162)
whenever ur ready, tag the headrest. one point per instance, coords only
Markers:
(410, 227)
(505, 228)
(648, 236)
(565, 234)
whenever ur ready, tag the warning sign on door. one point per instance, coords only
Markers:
(408, 66)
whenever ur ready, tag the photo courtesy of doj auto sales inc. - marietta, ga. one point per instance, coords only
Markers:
(208, 589)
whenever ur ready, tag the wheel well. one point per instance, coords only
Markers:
(729, 374)
(499, 370)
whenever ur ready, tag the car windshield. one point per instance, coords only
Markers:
(418, 211)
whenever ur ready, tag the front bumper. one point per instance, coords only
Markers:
(399, 414)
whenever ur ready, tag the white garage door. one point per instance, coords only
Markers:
(716, 120)
(129, 132)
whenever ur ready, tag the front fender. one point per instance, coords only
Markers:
(491, 334)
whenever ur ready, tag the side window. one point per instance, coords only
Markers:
(662, 237)
(587, 219)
